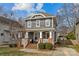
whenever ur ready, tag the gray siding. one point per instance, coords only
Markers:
(42, 24)
(5, 36)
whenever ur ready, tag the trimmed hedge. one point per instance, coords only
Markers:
(58, 43)
(48, 46)
(41, 46)
(12, 45)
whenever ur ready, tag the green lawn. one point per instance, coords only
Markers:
(6, 51)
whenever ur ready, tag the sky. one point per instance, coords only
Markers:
(23, 9)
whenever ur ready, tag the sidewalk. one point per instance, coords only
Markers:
(62, 51)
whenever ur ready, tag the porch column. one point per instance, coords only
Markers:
(50, 37)
(40, 34)
(26, 35)
(50, 34)
(19, 35)
(25, 40)
(41, 37)
(53, 37)
(19, 40)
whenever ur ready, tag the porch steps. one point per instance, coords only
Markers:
(32, 46)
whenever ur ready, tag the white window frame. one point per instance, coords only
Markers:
(47, 23)
(37, 23)
(29, 24)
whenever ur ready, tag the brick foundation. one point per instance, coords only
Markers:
(49, 40)
(18, 44)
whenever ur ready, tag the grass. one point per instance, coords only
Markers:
(6, 51)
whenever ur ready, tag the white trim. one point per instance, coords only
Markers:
(26, 35)
(50, 34)
(38, 14)
(43, 16)
(52, 22)
(19, 35)
(40, 34)
(43, 29)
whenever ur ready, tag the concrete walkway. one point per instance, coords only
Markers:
(65, 52)
(58, 52)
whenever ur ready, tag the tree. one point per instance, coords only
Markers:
(71, 35)
(64, 30)
(67, 15)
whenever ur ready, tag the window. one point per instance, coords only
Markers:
(45, 35)
(37, 23)
(47, 23)
(29, 24)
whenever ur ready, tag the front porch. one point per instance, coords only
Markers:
(44, 36)
(33, 38)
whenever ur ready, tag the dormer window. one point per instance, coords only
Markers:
(37, 23)
(47, 22)
(29, 24)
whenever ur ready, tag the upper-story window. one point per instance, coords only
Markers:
(37, 23)
(29, 24)
(47, 22)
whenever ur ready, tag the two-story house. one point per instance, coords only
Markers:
(8, 30)
(40, 28)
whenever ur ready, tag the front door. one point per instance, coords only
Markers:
(31, 37)
(34, 36)
(37, 36)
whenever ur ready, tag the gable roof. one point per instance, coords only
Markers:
(8, 21)
(46, 14)
(41, 14)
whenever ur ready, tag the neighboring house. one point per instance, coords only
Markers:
(8, 30)
(40, 28)
(77, 30)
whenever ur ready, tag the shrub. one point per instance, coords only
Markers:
(12, 45)
(41, 46)
(48, 46)
(58, 43)
(71, 35)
